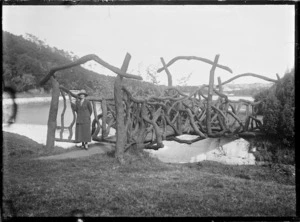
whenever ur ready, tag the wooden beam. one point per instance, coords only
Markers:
(85, 59)
(194, 58)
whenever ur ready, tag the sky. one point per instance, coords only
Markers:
(249, 38)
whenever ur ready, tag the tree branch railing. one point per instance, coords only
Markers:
(193, 58)
(146, 122)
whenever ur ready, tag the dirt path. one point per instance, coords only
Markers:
(96, 148)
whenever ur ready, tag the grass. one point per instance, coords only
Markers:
(145, 187)
(23, 147)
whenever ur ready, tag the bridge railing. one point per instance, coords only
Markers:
(103, 111)
(147, 122)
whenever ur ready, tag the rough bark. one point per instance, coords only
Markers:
(250, 74)
(52, 115)
(85, 59)
(170, 83)
(194, 58)
(209, 99)
(121, 131)
(104, 114)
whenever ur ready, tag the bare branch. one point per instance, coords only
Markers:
(194, 58)
(85, 59)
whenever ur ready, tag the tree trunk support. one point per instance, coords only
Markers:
(52, 115)
(210, 91)
(121, 132)
(104, 115)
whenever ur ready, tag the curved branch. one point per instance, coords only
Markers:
(249, 74)
(62, 114)
(194, 124)
(85, 59)
(193, 58)
(237, 119)
(73, 121)
(169, 75)
(185, 141)
(95, 134)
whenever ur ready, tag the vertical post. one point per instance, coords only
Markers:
(52, 115)
(104, 114)
(121, 132)
(62, 117)
(210, 91)
(179, 118)
(220, 85)
(73, 121)
(247, 121)
(221, 91)
(97, 129)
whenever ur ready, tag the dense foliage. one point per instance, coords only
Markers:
(278, 109)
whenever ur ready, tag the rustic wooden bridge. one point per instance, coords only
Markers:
(147, 122)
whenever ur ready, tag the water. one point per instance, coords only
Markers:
(236, 98)
(32, 120)
(36, 111)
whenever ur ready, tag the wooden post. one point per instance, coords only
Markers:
(52, 115)
(120, 126)
(62, 117)
(96, 131)
(210, 91)
(179, 118)
(220, 85)
(104, 114)
(73, 121)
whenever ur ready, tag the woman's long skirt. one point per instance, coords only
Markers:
(83, 132)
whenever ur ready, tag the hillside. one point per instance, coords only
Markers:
(26, 60)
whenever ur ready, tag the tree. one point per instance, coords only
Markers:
(278, 109)
(271, 114)
(152, 75)
(261, 96)
(183, 80)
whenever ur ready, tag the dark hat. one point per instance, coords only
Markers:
(82, 92)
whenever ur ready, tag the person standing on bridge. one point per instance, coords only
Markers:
(83, 108)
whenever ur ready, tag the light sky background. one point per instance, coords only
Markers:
(249, 38)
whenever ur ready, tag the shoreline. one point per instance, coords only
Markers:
(7, 101)
(41, 99)
(38, 133)
(172, 152)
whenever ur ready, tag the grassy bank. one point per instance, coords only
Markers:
(99, 186)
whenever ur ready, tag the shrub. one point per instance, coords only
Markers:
(261, 96)
(278, 109)
(271, 114)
